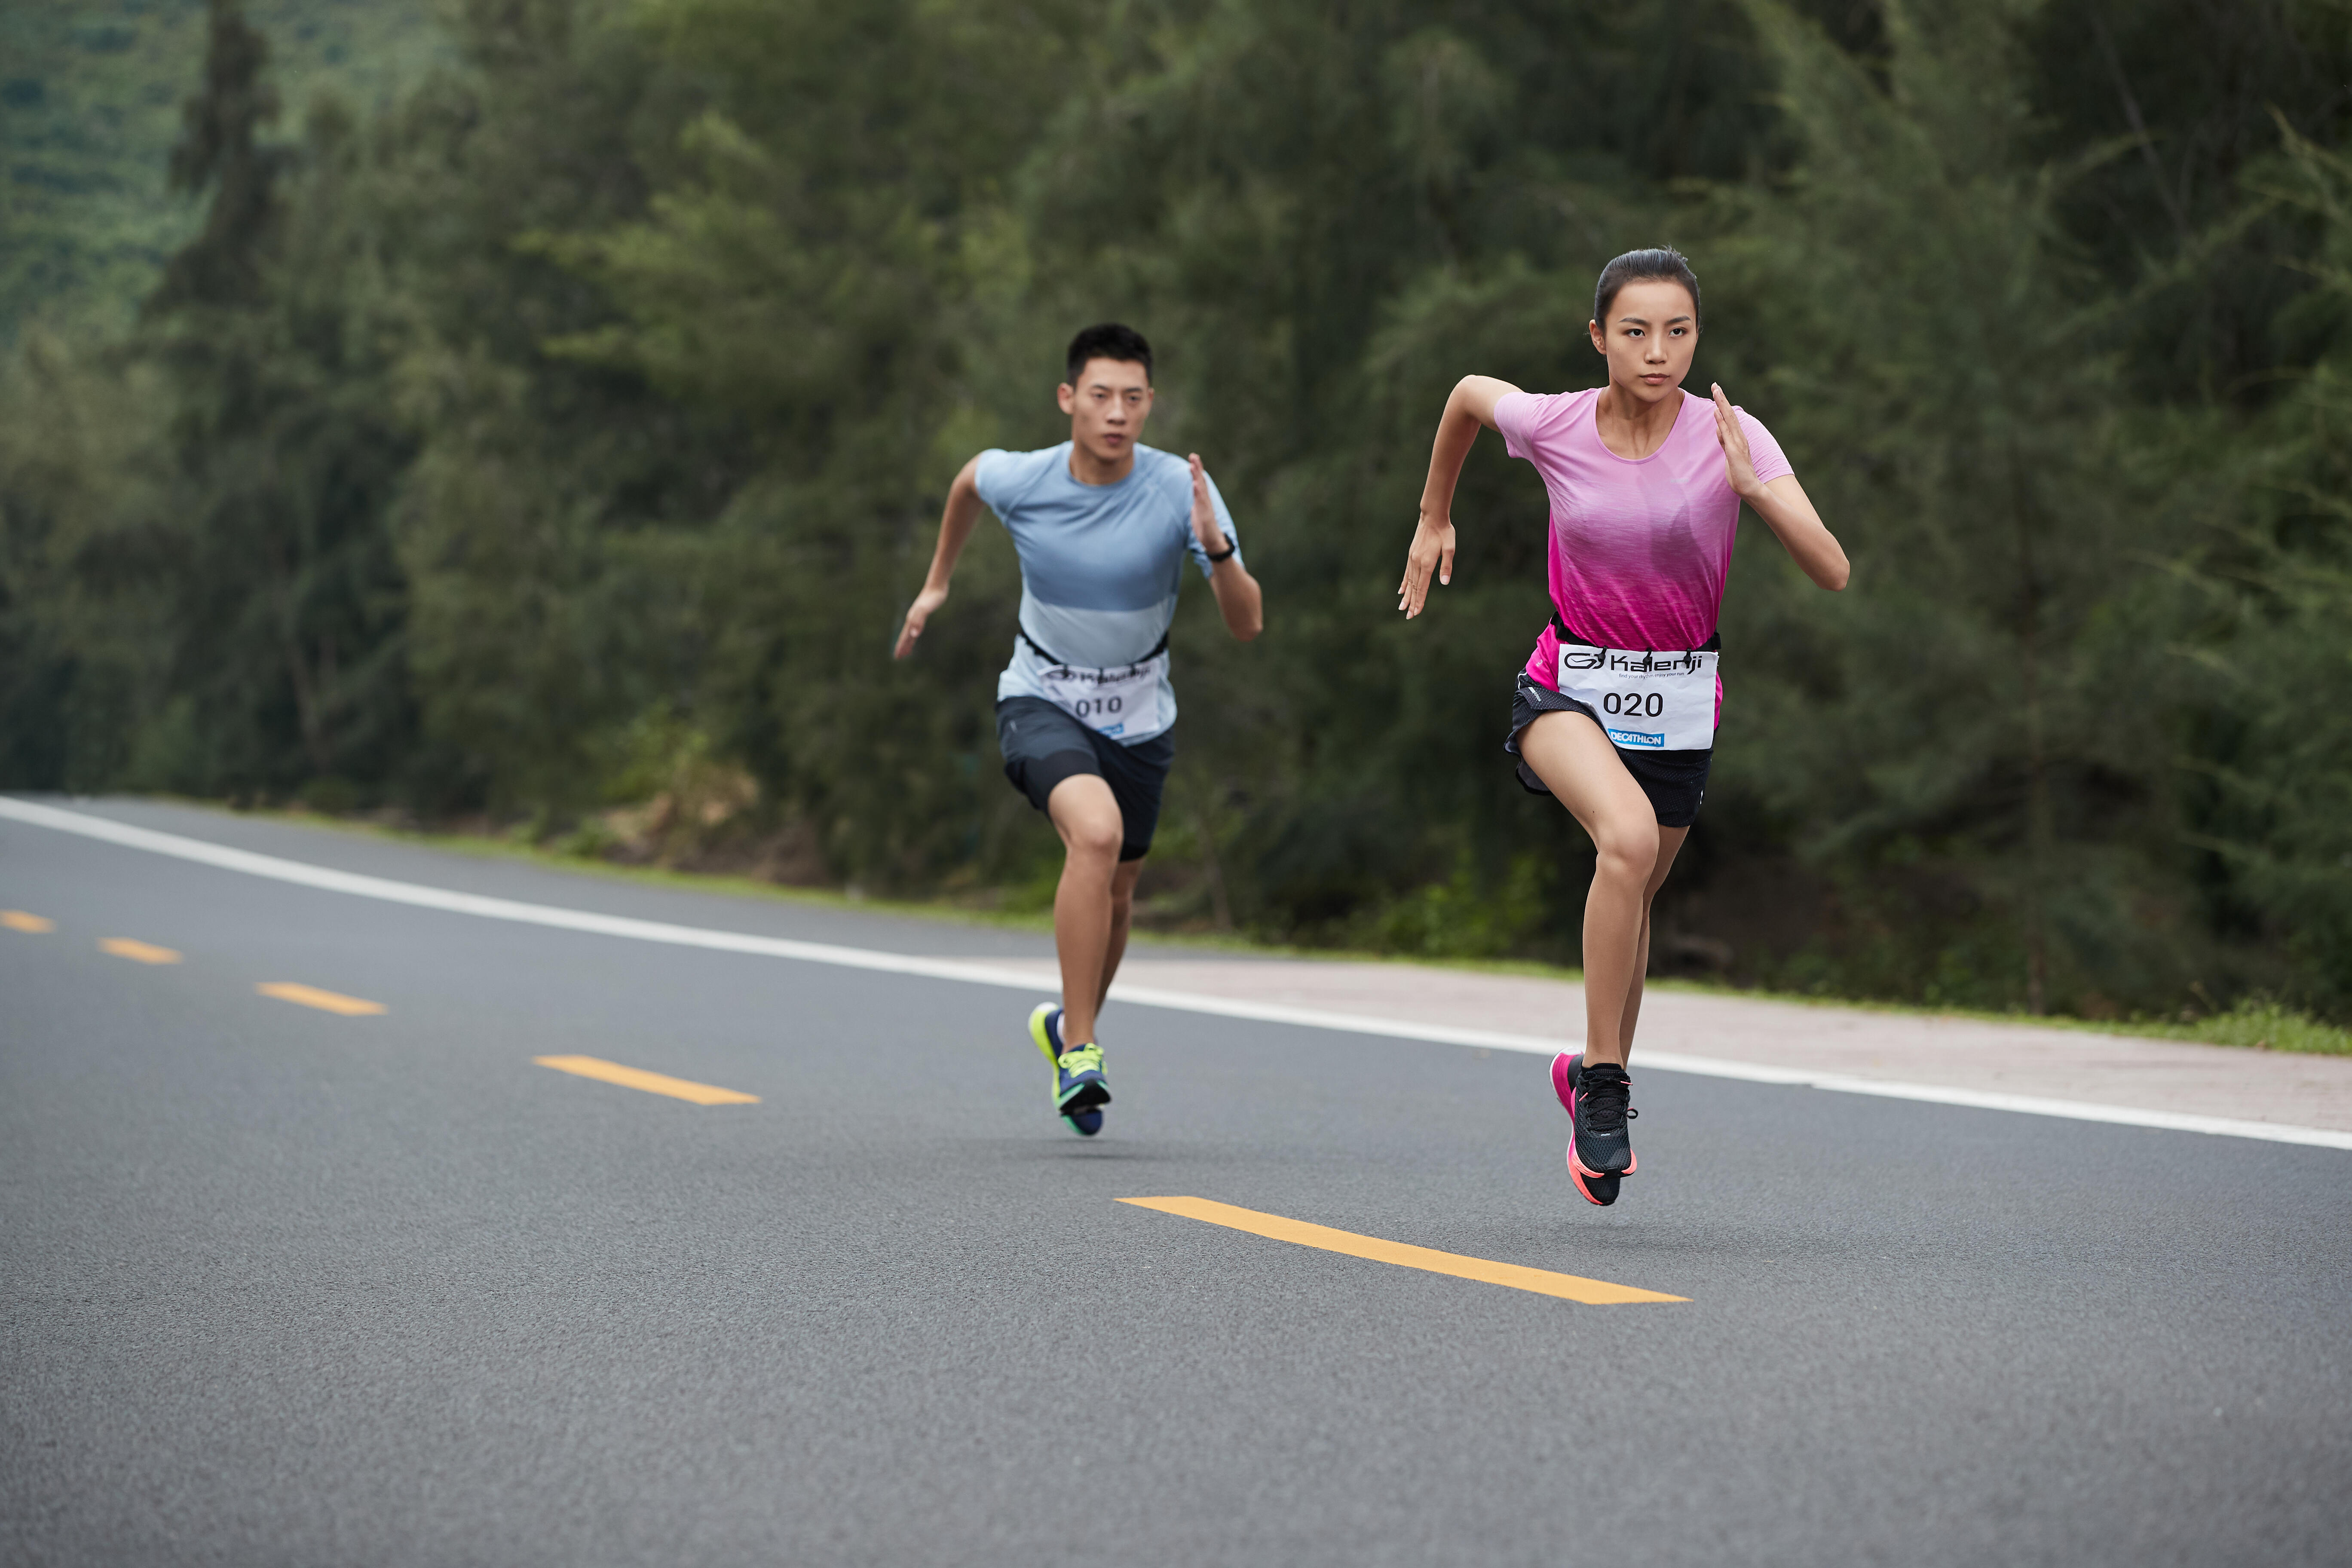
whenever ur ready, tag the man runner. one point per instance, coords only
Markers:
(1084, 711)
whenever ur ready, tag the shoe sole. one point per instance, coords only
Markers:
(1563, 1085)
(1086, 1097)
(1599, 1191)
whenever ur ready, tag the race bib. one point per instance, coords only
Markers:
(1122, 701)
(1647, 701)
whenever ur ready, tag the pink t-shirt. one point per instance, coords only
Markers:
(1639, 545)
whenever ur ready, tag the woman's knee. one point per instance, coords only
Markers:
(1627, 848)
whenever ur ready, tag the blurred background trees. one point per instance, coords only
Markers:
(545, 417)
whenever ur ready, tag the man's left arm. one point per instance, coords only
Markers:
(1239, 599)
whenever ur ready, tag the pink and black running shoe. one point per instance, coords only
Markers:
(1599, 1102)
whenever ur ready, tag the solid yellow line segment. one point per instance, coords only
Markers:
(137, 951)
(651, 1082)
(1570, 1287)
(325, 1001)
(17, 920)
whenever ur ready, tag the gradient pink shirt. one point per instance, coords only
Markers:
(1640, 546)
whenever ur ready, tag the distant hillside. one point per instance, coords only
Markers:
(90, 105)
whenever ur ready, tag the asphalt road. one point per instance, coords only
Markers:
(280, 1286)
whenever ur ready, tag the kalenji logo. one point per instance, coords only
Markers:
(1638, 738)
(1577, 656)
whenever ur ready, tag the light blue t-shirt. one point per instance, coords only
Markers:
(1099, 563)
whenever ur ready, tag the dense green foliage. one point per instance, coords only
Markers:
(569, 433)
(90, 105)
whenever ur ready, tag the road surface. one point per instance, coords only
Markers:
(340, 1272)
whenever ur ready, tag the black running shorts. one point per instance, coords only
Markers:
(1676, 781)
(1043, 745)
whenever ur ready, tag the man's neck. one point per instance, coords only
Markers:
(1089, 469)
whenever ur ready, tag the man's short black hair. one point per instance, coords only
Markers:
(1109, 341)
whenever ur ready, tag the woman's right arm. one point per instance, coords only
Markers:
(955, 529)
(1471, 405)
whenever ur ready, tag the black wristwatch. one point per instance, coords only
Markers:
(1225, 554)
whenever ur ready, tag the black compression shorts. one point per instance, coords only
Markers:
(1676, 781)
(1043, 745)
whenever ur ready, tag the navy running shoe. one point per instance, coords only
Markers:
(1079, 1091)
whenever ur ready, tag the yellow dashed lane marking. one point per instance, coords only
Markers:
(325, 1001)
(137, 951)
(17, 920)
(651, 1082)
(1570, 1287)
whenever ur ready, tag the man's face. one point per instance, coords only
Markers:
(1650, 336)
(1107, 406)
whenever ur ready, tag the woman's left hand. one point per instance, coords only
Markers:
(1739, 468)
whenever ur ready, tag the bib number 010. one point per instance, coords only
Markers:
(1120, 701)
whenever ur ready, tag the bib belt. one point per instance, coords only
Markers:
(1047, 654)
(1714, 643)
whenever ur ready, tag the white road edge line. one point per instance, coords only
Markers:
(416, 894)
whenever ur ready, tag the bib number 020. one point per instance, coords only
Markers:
(1647, 700)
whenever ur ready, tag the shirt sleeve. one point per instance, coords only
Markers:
(1224, 521)
(989, 475)
(1514, 413)
(1770, 462)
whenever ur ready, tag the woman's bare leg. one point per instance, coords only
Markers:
(1670, 843)
(1632, 853)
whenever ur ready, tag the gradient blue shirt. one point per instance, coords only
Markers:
(1101, 564)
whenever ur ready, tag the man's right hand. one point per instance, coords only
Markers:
(925, 604)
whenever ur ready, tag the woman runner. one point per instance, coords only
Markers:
(1616, 712)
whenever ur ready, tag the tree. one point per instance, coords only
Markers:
(286, 602)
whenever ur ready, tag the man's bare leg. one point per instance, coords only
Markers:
(1122, 908)
(1088, 918)
(1579, 765)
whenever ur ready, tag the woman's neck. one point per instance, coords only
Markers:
(1632, 427)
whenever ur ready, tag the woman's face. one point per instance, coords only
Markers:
(1648, 337)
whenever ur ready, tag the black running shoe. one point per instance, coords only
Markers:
(1601, 1190)
(1600, 1145)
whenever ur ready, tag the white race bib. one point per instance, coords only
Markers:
(1122, 701)
(1647, 701)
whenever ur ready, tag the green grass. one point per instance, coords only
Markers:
(2260, 1024)
(2255, 1024)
